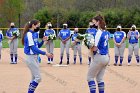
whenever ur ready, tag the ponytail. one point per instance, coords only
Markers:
(102, 25)
(27, 26)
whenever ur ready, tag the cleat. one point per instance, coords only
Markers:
(89, 63)
(115, 64)
(74, 62)
(68, 63)
(129, 64)
(60, 63)
(120, 64)
(11, 62)
(138, 64)
(49, 62)
(15, 62)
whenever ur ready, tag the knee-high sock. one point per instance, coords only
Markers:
(80, 59)
(11, 57)
(89, 59)
(137, 58)
(129, 58)
(92, 86)
(101, 87)
(116, 59)
(121, 60)
(61, 58)
(49, 59)
(67, 57)
(15, 57)
(32, 87)
(39, 59)
(74, 59)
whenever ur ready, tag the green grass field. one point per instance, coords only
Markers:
(57, 43)
(6, 45)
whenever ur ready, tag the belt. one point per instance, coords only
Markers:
(31, 54)
(103, 54)
(133, 43)
(77, 44)
(95, 52)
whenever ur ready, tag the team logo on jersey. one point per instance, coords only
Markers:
(64, 33)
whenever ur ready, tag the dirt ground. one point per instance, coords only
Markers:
(71, 79)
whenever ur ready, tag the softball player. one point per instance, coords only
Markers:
(31, 50)
(119, 45)
(1, 37)
(13, 42)
(108, 38)
(91, 30)
(108, 45)
(100, 57)
(133, 36)
(64, 36)
(77, 46)
(50, 43)
(36, 40)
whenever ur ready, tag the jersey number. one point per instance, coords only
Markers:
(106, 40)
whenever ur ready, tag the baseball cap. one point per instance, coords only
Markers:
(49, 24)
(65, 24)
(119, 26)
(12, 24)
(133, 26)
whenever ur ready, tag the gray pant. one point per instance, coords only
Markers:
(33, 65)
(50, 47)
(13, 46)
(119, 51)
(77, 48)
(97, 67)
(133, 48)
(63, 46)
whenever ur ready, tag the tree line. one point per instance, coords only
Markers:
(74, 12)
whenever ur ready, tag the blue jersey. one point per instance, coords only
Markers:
(108, 34)
(101, 42)
(30, 44)
(64, 34)
(36, 37)
(48, 32)
(1, 37)
(74, 37)
(10, 31)
(109, 37)
(91, 31)
(119, 35)
(133, 38)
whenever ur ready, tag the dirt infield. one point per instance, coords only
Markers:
(71, 79)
